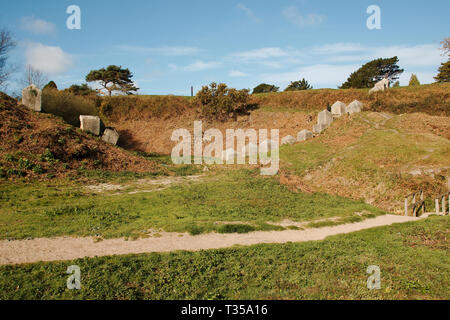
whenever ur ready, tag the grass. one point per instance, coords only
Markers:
(363, 158)
(413, 258)
(63, 208)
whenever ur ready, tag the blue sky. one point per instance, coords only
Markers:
(171, 45)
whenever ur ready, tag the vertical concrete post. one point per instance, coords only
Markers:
(449, 203)
(444, 207)
(406, 206)
(437, 206)
(423, 203)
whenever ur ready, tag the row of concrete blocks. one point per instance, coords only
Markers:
(338, 109)
(266, 145)
(94, 125)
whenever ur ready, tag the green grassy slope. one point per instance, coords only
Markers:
(413, 258)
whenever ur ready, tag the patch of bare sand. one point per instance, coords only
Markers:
(65, 248)
(163, 183)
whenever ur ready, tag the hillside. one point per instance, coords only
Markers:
(147, 122)
(373, 156)
(36, 145)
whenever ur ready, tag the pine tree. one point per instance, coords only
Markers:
(414, 81)
(444, 73)
(372, 72)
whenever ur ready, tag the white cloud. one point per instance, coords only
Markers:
(409, 56)
(51, 60)
(335, 48)
(237, 74)
(319, 75)
(248, 12)
(263, 53)
(38, 26)
(171, 51)
(196, 66)
(293, 15)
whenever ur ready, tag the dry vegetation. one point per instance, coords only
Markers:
(431, 99)
(39, 145)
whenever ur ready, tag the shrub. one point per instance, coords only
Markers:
(219, 102)
(299, 85)
(265, 88)
(67, 106)
(236, 228)
(414, 81)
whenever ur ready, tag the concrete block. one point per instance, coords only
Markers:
(288, 140)
(92, 124)
(338, 109)
(111, 136)
(304, 135)
(354, 107)
(325, 118)
(32, 98)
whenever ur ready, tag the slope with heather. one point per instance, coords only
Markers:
(37, 145)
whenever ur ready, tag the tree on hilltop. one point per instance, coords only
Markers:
(265, 88)
(299, 85)
(372, 72)
(113, 78)
(444, 69)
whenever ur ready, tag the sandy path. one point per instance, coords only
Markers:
(65, 248)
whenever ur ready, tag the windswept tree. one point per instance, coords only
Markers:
(444, 69)
(372, 72)
(299, 85)
(446, 46)
(6, 45)
(265, 88)
(112, 79)
(34, 76)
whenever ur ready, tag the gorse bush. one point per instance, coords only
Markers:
(68, 106)
(218, 102)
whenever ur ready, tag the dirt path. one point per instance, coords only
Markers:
(55, 249)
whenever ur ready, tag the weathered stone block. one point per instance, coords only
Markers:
(325, 118)
(338, 109)
(318, 128)
(381, 85)
(288, 140)
(354, 107)
(111, 136)
(32, 98)
(304, 135)
(92, 124)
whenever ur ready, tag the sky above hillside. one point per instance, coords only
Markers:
(173, 45)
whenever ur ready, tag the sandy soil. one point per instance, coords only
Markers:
(65, 248)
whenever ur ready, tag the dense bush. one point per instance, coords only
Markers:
(265, 88)
(68, 106)
(219, 102)
(298, 85)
